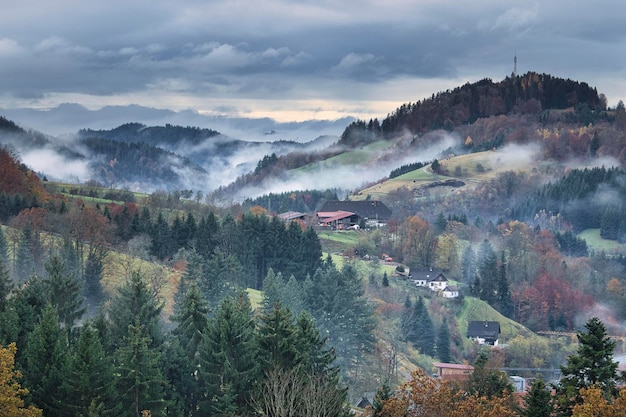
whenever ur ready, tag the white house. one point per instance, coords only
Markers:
(439, 283)
(450, 291)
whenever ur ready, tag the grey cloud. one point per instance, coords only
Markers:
(278, 49)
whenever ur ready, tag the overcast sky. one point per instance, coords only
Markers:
(295, 60)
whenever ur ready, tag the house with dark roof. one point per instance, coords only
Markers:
(484, 332)
(373, 213)
(438, 283)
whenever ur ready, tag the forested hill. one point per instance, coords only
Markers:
(529, 93)
(154, 135)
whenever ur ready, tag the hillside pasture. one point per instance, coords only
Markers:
(356, 157)
(597, 243)
(471, 168)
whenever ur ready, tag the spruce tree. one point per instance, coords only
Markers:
(46, 364)
(228, 358)
(6, 285)
(385, 279)
(487, 268)
(407, 328)
(486, 381)
(191, 316)
(383, 393)
(65, 293)
(90, 375)
(538, 401)
(423, 329)
(591, 365)
(337, 301)
(136, 304)
(24, 260)
(443, 342)
(276, 339)
(69, 257)
(4, 249)
(95, 296)
(504, 300)
(140, 384)
(272, 289)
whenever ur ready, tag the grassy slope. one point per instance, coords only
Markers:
(472, 168)
(354, 157)
(477, 310)
(595, 242)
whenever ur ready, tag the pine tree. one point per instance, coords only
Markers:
(504, 300)
(443, 342)
(24, 261)
(4, 249)
(272, 289)
(486, 381)
(191, 315)
(95, 296)
(385, 279)
(383, 393)
(46, 364)
(6, 285)
(487, 268)
(136, 304)
(592, 364)
(538, 401)
(228, 358)
(65, 293)
(90, 374)
(337, 301)
(407, 329)
(140, 384)
(276, 339)
(423, 329)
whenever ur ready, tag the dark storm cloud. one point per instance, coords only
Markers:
(244, 55)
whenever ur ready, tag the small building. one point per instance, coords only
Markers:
(337, 219)
(422, 276)
(372, 213)
(291, 215)
(451, 291)
(452, 371)
(367, 400)
(484, 332)
(439, 283)
(518, 382)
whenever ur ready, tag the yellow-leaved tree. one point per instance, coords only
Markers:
(11, 392)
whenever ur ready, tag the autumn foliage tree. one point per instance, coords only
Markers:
(11, 393)
(423, 396)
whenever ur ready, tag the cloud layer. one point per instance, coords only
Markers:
(297, 59)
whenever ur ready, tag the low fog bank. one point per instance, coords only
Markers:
(329, 175)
